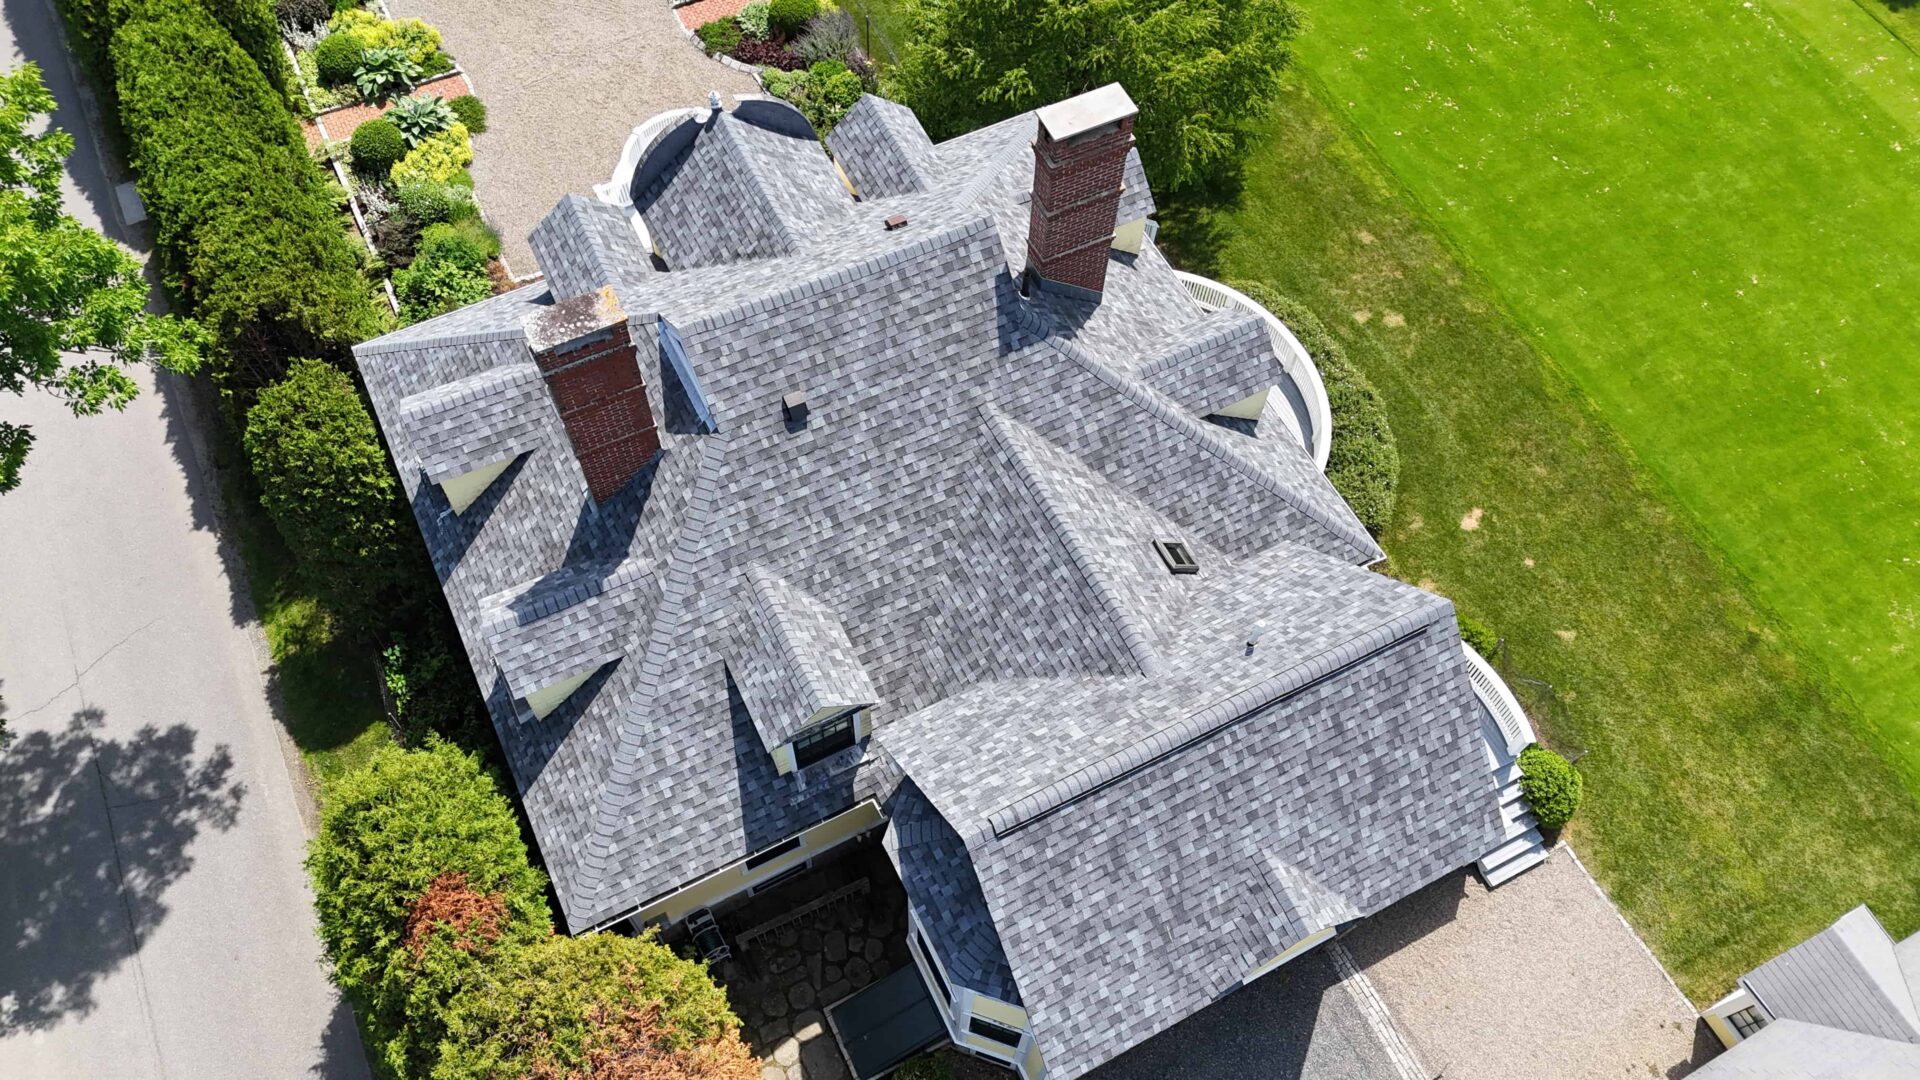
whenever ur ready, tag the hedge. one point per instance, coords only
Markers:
(1363, 463)
(248, 228)
(602, 1005)
(252, 24)
(325, 482)
(419, 875)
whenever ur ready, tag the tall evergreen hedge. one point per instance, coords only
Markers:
(248, 227)
(250, 23)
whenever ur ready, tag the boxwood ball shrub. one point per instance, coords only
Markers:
(376, 145)
(420, 877)
(1363, 463)
(470, 111)
(336, 58)
(787, 18)
(1551, 784)
(719, 36)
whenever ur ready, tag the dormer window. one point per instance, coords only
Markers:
(1178, 558)
(823, 740)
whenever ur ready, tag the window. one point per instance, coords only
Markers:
(1747, 1021)
(821, 740)
(1175, 554)
(754, 862)
(987, 1029)
(933, 965)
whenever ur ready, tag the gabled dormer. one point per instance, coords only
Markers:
(552, 635)
(798, 674)
(466, 433)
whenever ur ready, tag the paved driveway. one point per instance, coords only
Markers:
(564, 85)
(154, 919)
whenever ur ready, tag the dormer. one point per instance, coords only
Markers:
(467, 433)
(550, 636)
(798, 674)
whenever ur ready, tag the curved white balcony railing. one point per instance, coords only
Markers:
(618, 190)
(1214, 296)
(1492, 691)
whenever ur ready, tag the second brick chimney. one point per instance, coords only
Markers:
(1079, 153)
(584, 348)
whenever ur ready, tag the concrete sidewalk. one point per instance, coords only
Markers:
(158, 922)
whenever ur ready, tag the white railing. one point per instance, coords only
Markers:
(1492, 691)
(1214, 296)
(618, 190)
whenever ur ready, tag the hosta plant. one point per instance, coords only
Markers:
(382, 70)
(419, 116)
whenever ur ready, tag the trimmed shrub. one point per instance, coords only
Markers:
(426, 202)
(335, 59)
(251, 24)
(786, 18)
(470, 111)
(438, 158)
(755, 20)
(418, 40)
(246, 225)
(602, 1005)
(420, 877)
(325, 482)
(1551, 784)
(719, 36)
(469, 244)
(429, 288)
(419, 116)
(1478, 635)
(831, 89)
(376, 144)
(1363, 463)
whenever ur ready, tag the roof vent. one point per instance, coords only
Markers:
(1175, 554)
(794, 408)
(897, 221)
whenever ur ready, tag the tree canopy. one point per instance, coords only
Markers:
(72, 303)
(1201, 71)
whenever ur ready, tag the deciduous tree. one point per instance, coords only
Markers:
(73, 312)
(1201, 71)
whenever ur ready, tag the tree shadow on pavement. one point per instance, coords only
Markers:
(93, 831)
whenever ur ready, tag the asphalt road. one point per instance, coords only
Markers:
(154, 918)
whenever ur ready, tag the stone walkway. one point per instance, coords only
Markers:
(564, 84)
(781, 983)
(1539, 978)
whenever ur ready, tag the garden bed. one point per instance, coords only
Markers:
(806, 52)
(393, 115)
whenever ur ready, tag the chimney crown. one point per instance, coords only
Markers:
(1079, 156)
(1077, 116)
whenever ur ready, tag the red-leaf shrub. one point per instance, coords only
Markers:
(754, 51)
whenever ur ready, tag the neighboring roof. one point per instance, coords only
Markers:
(1846, 976)
(1793, 1050)
(960, 534)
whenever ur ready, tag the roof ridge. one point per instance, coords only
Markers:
(1139, 647)
(1213, 333)
(675, 581)
(1201, 725)
(951, 235)
(1162, 407)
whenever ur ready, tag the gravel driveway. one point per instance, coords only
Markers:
(564, 84)
(1538, 979)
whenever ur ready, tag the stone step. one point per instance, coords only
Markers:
(1516, 866)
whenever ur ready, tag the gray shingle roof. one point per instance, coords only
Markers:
(460, 426)
(1792, 1050)
(945, 895)
(1846, 976)
(882, 147)
(961, 535)
(583, 245)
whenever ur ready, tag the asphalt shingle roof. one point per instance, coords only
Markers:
(1846, 976)
(1124, 784)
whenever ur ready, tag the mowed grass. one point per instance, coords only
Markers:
(1735, 801)
(1708, 213)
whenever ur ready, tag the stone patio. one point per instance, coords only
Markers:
(786, 973)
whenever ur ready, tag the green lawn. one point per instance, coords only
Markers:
(1707, 213)
(1734, 800)
(331, 701)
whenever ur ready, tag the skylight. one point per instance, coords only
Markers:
(1175, 554)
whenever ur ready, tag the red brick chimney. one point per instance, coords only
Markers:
(585, 350)
(1079, 153)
